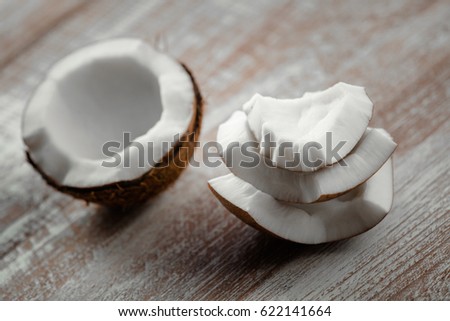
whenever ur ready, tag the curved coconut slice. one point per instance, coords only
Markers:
(339, 218)
(372, 151)
(97, 95)
(342, 109)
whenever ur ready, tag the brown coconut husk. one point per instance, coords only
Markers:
(240, 213)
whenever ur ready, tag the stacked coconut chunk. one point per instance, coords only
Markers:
(309, 170)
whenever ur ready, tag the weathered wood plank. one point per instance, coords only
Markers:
(184, 245)
(25, 22)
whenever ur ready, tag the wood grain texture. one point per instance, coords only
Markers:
(184, 244)
(23, 23)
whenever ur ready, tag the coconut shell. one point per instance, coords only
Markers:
(126, 194)
(249, 220)
(240, 213)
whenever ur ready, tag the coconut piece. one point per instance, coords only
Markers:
(343, 110)
(336, 219)
(371, 152)
(94, 96)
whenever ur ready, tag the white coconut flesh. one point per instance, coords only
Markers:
(94, 96)
(342, 217)
(371, 152)
(343, 110)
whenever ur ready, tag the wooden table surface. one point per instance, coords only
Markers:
(183, 244)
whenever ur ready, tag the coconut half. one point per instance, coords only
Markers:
(339, 218)
(343, 110)
(99, 94)
(371, 152)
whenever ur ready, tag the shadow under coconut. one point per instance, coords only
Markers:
(262, 257)
(111, 220)
(217, 260)
(240, 260)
